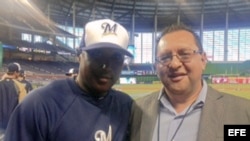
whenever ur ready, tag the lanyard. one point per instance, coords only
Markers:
(177, 129)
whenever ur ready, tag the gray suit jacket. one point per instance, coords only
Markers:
(219, 109)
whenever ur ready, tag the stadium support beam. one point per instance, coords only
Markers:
(92, 14)
(179, 13)
(155, 31)
(226, 32)
(71, 6)
(202, 21)
(48, 12)
(132, 32)
(74, 23)
(1, 55)
(112, 10)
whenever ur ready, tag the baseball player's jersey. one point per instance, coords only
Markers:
(27, 84)
(8, 101)
(61, 111)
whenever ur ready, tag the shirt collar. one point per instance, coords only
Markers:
(201, 98)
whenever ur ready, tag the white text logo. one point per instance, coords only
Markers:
(100, 135)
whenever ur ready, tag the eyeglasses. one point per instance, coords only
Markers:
(184, 56)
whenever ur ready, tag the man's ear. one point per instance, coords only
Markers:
(204, 60)
(204, 57)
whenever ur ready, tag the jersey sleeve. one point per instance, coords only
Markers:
(28, 122)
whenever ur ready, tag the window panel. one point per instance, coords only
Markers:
(208, 44)
(147, 47)
(26, 37)
(244, 44)
(218, 45)
(233, 45)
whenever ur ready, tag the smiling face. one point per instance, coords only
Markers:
(99, 70)
(179, 76)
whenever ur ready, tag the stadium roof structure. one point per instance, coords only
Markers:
(142, 15)
(22, 15)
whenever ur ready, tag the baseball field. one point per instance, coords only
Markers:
(139, 90)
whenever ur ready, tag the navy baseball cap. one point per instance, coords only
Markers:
(71, 71)
(22, 73)
(13, 67)
(105, 33)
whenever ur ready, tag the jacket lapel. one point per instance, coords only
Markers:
(211, 116)
(149, 118)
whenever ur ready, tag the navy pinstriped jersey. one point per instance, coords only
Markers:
(60, 111)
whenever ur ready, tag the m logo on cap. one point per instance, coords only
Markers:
(108, 29)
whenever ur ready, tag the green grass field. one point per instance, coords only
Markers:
(242, 90)
(139, 90)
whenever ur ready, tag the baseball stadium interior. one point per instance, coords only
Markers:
(44, 36)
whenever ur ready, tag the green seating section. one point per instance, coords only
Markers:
(228, 68)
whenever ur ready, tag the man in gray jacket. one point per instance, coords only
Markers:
(186, 108)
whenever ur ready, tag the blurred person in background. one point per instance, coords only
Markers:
(86, 108)
(26, 83)
(72, 73)
(186, 108)
(11, 93)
